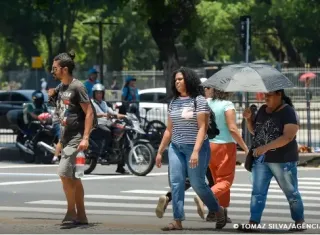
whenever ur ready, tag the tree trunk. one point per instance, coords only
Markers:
(170, 64)
(50, 49)
(28, 47)
(276, 52)
(293, 55)
(62, 45)
(165, 40)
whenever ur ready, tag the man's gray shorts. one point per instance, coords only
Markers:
(69, 153)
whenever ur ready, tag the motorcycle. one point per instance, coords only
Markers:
(126, 146)
(36, 141)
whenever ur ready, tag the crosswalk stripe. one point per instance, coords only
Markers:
(309, 178)
(274, 186)
(272, 191)
(271, 186)
(244, 203)
(160, 192)
(270, 219)
(278, 202)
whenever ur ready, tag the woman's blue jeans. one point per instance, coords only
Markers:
(286, 176)
(179, 168)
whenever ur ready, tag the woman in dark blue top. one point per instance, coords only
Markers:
(275, 152)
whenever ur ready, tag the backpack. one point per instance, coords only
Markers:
(213, 130)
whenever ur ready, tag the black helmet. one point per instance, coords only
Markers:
(38, 98)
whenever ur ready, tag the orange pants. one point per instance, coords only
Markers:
(223, 166)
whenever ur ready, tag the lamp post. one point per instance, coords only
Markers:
(100, 23)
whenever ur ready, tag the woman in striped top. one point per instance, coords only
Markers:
(189, 150)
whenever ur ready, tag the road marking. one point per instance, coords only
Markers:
(273, 185)
(283, 202)
(242, 203)
(232, 189)
(246, 195)
(308, 178)
(119, 197)
(83, 179)
(26, 166)
(149, 214)
(27, 174)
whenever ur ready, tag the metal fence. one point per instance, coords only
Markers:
(26, 79)
(307, 133)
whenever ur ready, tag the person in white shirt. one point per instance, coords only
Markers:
(104, 113)
(44, 85)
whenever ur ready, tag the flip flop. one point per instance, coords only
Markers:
(68, 221)
(171, 227)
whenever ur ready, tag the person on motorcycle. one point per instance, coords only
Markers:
(32, 110)
(104, 113)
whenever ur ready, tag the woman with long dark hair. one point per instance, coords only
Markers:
(275, 152)
(189, 150)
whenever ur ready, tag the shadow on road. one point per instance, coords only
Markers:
(79, 226)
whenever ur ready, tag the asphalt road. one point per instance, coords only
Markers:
(32, 202)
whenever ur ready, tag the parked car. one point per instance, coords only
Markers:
(154, 100)
(10, 100)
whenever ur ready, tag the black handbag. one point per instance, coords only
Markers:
(249, 161)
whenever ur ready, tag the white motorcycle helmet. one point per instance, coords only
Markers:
(98, 87)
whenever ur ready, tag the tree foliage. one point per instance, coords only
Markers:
(161, 33)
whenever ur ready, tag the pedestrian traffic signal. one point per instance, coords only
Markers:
(245, 31)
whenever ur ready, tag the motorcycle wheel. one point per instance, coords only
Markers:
(149, 150)
(92, 163)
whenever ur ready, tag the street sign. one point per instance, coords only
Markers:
(37, 62)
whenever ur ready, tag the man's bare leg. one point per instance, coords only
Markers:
(79, 198)
(69, 188)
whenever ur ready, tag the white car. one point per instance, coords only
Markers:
(152, 104)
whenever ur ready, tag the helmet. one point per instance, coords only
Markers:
(98, 87)
(38, 98)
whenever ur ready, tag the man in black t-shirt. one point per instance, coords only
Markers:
(76, 117)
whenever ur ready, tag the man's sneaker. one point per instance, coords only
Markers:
(200, 206)
(162, 206)
(122, 171)
(55, 159)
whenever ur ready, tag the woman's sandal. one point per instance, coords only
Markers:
(171, 227)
